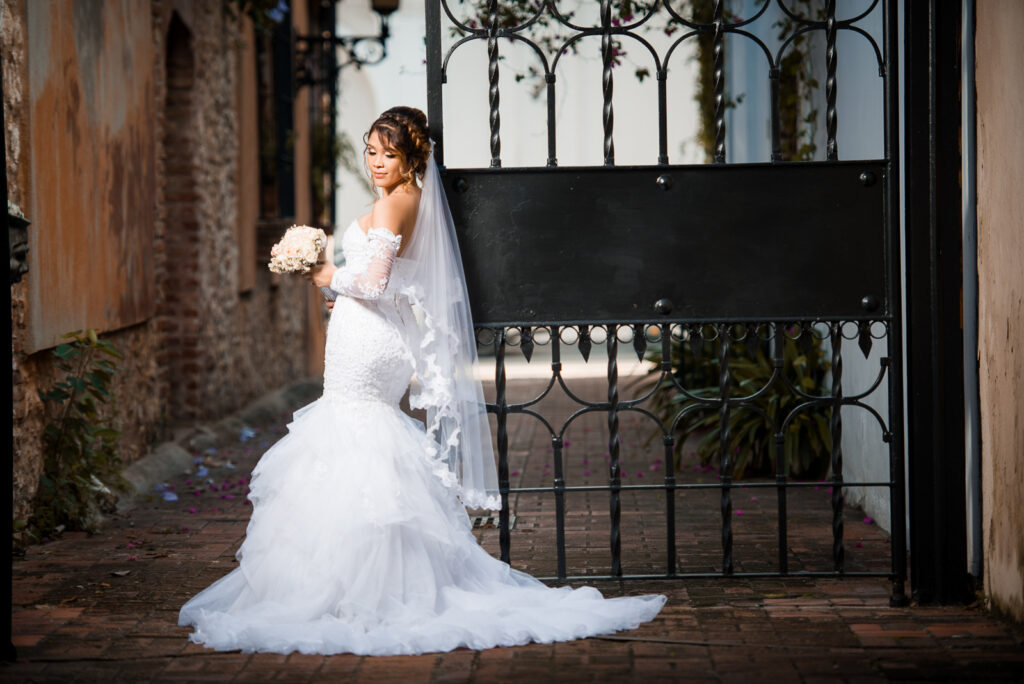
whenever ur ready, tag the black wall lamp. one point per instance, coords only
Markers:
(319, 58)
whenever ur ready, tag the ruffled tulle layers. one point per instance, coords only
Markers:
(356, 545)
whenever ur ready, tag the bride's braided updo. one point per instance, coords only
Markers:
(404, 130)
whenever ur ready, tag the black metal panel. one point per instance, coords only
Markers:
(757, 241)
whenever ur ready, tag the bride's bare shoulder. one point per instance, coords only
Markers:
(396, 212)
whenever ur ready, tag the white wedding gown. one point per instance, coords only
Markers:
(357, 543)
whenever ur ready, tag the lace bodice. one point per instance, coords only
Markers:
(366, 357)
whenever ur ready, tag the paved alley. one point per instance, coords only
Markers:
(104, 607)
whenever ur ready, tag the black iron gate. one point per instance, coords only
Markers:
(554, 249)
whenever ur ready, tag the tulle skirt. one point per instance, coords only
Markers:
(356, 545)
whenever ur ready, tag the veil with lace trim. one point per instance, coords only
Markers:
(443, 346)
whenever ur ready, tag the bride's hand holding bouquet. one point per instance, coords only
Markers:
(301, 250)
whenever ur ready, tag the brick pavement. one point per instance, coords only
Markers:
(104, 607)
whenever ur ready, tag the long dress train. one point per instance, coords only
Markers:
(357, 543)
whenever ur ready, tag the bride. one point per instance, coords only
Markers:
(359, 540)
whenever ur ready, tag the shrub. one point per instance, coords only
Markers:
(79, 442)
(695, 365)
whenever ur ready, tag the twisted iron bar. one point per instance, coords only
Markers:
(718, 55)
(831, 60)
(781, 464)
(608, 114)
(502, 411)
(613, 449)
(725, 460)
(557, 443)
(492, 77)
(670, 474)
(837, 448)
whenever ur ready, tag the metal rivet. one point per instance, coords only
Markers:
(663, 306)
(664, 181)
(867, 179)
(869, 302)
(460, 184)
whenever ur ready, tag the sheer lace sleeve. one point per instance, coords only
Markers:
(370, 282)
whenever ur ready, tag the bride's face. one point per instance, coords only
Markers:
(384, 163)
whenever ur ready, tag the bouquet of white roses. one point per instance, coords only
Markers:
(298, 251)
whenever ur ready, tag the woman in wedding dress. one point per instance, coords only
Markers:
(359, 540)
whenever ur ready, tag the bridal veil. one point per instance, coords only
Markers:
(443, 346)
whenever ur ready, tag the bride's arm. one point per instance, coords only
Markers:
(385, 240)
(371, 282)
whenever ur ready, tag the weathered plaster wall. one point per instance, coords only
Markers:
(93, 174)
(95, 184)
(1000, 110)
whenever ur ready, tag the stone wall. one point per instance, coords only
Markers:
(1000, 110)
(208, 344)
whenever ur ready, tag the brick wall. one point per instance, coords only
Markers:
(180, 355)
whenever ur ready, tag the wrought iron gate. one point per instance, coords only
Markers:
(823, 261)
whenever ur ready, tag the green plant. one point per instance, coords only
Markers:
(696, 367)
(79, 440)
(798, 117)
